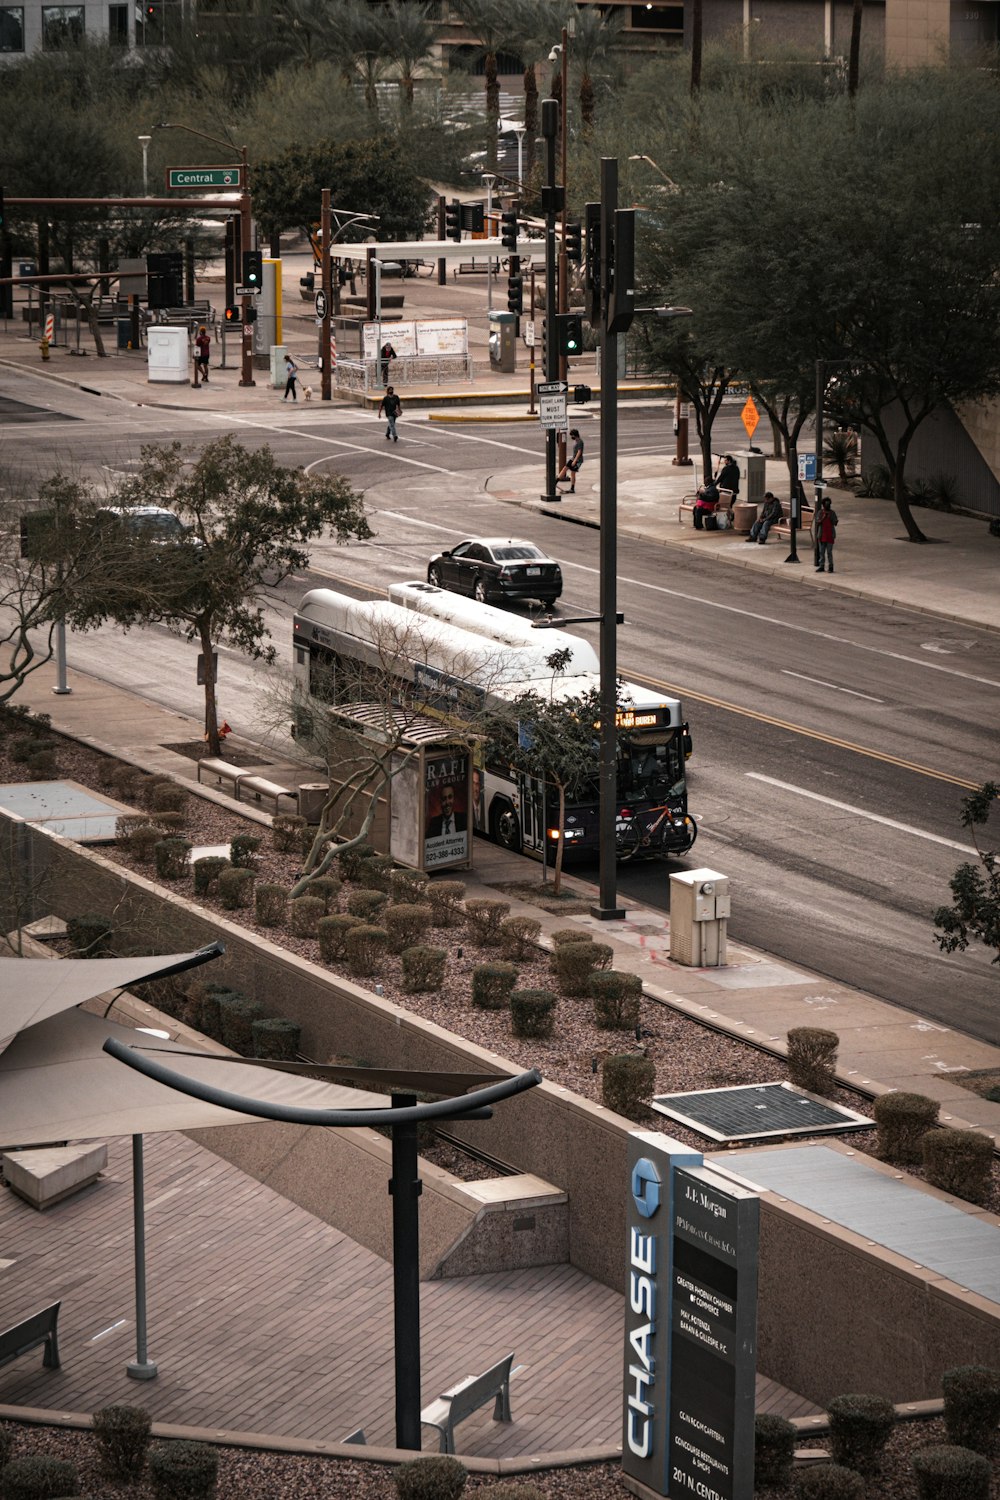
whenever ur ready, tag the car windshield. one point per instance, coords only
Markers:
(158, 528)
(518, 552)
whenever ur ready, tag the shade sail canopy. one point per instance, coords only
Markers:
(32, 989)
(57, 1084)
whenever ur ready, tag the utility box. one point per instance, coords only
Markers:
(699, 909)
(167, 355)
(753, 477)
(278, 376)
(503, 344)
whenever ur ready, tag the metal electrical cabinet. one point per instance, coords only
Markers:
(753, 477)
(699, 909)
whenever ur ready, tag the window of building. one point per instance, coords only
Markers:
(11, 28)
(118, 25)
(62, 26)
(157, 22)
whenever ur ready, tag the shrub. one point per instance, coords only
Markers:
(366, 904)
(124, 781)
(237, 1014)
(148, 784)
(572, 965)
(423, 968)
(405, 925)
(206, 873)
(375, 872)
(90, 935)
(828, 1482)
(860, 1427)
(169, 797)
(122, 1434)
(532, 1012)
(286, 832)
(170, 822)
(903, 1120)
(446, 898)
(325, 888)
(305, 914)
(437, 1478)
(616, 999)
(365, 948)
(570, 935)
(211, 1017)
(409, 887)
(773, 1450)
(125, 826)
(42, 766)
(959, 1162)
(627, 1083)
(944, 1472)
(485, 919)
(171, 855)
(519, 938)
(39, 1477)
(236, 887)
(270, 904)
(243, 851)
(276, 1038)
(332, 933)
(351, 858)
(23, 749)
(972, 1406)
(812, 1057)
(183, 1471)
(141, 839)
(492, 986)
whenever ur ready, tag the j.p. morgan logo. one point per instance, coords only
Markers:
(642, 1305)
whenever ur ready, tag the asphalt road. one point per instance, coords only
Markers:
(834, 739)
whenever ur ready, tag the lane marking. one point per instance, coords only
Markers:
(918, 833)
(315, 437)
(820, 683)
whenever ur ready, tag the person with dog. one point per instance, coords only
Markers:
(291, 376)
(390, 407)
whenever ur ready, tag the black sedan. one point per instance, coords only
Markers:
(494, 567)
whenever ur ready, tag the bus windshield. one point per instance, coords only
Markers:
(651, 766)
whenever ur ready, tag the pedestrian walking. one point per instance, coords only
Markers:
(386, 353)
(291, 376)
(826, 534)
(573, 464)
(202, 349)
(390, 407)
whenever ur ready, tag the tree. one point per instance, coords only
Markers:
(495, 26)
(974, 915)
(249, 518)
(368, 176)
(411, 34)
(596, 38)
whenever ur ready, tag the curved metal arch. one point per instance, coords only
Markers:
(474, 1104)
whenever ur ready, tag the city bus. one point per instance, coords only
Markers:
(440, 653)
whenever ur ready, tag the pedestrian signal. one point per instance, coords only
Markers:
(251, 315)
(453, 220)
(569, 328)
(253, 268)
(508, 229)
(232, 314)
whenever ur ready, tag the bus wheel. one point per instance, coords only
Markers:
(505, 827)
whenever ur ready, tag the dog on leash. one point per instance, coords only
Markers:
(307, 393)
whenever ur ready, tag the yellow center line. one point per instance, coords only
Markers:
(812, 734)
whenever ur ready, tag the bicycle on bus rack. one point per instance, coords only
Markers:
(641, 833)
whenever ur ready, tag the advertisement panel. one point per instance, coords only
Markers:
(447, 833)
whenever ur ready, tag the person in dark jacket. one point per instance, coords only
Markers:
(728, 477)
(770, 515)
(826, 534)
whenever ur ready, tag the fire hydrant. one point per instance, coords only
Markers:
(43, 344)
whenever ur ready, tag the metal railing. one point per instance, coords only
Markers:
(366, 375)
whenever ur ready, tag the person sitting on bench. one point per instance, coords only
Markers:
(705, 505)
(770, 515)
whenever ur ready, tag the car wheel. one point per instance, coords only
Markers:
(479, 590)
(505, 827)
(434, 577)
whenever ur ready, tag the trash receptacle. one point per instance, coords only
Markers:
(124, 333)
(312, 796)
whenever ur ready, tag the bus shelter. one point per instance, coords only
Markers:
(420, 773)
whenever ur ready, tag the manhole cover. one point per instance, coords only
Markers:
(757, 1110)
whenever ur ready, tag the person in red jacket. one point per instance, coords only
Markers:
(826, 534)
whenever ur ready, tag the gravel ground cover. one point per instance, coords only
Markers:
(252, 1475)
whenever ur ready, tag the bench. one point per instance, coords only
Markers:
(475, 268)
(725, 503)
(468, 1396)
(261, 787)
(36, 1330)
(784, 528)
(222, 770)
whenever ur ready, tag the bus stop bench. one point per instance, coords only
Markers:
(39, 1329)
(475, 268)
(260, 787)
(222, 770)
(689, 501)
(468, 1396)
(784, 528)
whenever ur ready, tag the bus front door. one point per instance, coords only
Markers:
(531, 794)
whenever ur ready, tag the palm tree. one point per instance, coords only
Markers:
(540, 24)
(696, 45)
(595, 38)
(494, 25)
(411, 33)
(307, 35)
(854, 62)
(365, 42)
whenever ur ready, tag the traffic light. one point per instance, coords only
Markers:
(621, 292)
(253, 268)
(592, 269)
(515, 293)
(569, 334)
(453, 220)
(308, 281)
(543, 339)
(508, 229)
(232, 314)
(251, 316)
(573, 240)
(165, 279)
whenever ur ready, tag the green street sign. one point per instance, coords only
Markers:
(203, 177)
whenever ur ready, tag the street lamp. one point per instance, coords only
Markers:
(144, 141)
(519, 131)
(246, 229)
(671, 184)
(489, 178)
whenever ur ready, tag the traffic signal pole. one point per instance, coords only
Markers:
(326, 230)
(550, 128)
(246, 230)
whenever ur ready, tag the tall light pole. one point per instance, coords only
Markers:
(519, 131)
(671, 184)
(561, 51)
(489, 178)
(246, 230)
(144, 141)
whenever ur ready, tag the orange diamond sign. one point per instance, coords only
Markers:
(750, 416)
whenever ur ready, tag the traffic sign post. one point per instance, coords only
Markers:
(552, 405)
(321, 304)
(750, 416)
(187, 178)
(248, 291)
